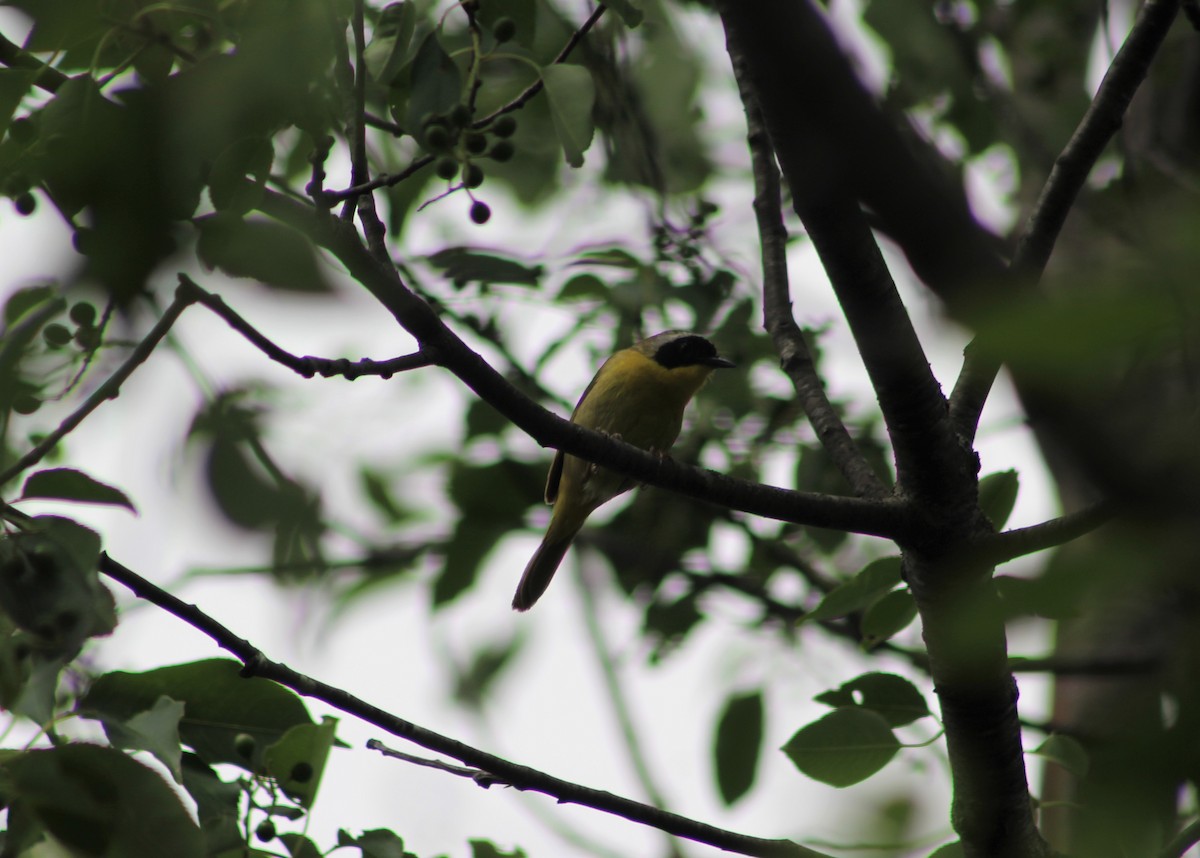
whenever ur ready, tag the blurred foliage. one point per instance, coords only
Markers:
(160, 133)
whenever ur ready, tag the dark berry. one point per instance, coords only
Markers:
(437, 138)
(473, 176)
(265, 831)
(447, 168)
(56, 335)
(475, 143)
(87, 338)
(83, 314)
(84, 241)
(460, 116)
(245, 745)
(502, 151)
(505, 126)
(26, 204)
(480, 212)
(504, 29)
(302, 773)
(26, 404)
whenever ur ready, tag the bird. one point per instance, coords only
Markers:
(638, 395)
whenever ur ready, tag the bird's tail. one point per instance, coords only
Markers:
(542, 566)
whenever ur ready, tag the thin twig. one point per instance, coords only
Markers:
(522, 777)
(307, 366)
(368, 215)
(482, 778)
(794, 356)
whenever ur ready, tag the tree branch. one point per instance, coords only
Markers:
(825, 191)
(876, 517)
(522, 777)
(1002, 547)
(1101, 121)
(794, 356)
(1072, 167)
(306, 366)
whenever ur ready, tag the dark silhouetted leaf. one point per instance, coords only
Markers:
(737, 744)
(864, 589)
(73, 485)
(843, 748)
(893, 697)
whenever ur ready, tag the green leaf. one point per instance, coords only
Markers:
(15, 84)
(391, 49)
(471, 686)
(893, 697)
(377, 843)
(228, 186)
(487, 849)
(1067, 752)
(378, 491)
(436, 83)
(297, 761)
(583, 287)
(51, 586)
(845, 747)
(888, 616)
(871, 583)
(275, 255)
(467, 265)
(155, 730)
(73, 485)
(998, 496)
(571, 94)
(299, 846)
(220, 705)
(629, 11)
(465, 550)
(98, 800)
(25, 300)
(613, 257)
(216, 805)
(737, 744)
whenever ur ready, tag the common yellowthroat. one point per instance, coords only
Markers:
(638, 395)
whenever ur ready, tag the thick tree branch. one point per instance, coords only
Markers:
(521, 777)
(838, 150)
(929, 463)
(834, 144)
(876, 517)
(794, 356)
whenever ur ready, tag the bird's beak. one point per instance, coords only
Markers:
(720, 363)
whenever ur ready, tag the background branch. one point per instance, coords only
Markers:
(521, 777)
(794, 356)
